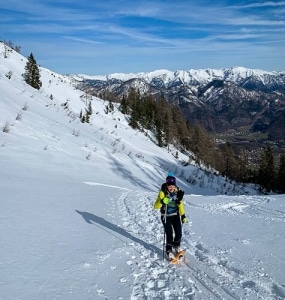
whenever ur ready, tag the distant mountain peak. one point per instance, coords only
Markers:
(230, 97)
(187, 76)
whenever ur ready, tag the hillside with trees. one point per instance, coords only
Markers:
(164, 122)
(167, 123)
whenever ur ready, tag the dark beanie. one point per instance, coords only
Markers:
(170, 180)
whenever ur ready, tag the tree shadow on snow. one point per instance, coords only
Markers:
(105, 225)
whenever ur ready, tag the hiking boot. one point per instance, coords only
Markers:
(177, 249)
(169, 255)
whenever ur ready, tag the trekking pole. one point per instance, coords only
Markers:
(164, 237)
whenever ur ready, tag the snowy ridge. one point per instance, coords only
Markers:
(211, 93)
(77, 213)
(235, 74)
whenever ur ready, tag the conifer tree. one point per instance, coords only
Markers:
(147, 112)
(243, 172)
(124, 108)
(266, 171)
(32, 73)
(81, 116)
(160, 121)
(231, 165)
(134, 99)
(89, 109)
(200, 143)
(178, 126)
(281, 175)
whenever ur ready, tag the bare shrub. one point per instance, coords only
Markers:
(6, 127)
(25, 106)
(19, 116)
(9, 74)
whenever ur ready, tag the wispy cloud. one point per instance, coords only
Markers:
(147, 27)
(80, 40)
(261, 4)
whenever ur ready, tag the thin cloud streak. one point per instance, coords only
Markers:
(264, 4)
(80, 40)
(147, 31)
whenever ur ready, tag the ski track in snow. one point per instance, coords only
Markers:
(250, 206)
(204, 274)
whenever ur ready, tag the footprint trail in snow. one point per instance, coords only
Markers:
(208, 273)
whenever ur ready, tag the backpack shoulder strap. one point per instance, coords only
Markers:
(164, 189)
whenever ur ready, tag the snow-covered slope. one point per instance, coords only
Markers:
(77, 214)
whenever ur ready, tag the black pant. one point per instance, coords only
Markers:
(172, 224)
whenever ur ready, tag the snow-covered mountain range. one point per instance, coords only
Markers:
(220, 99)
(77, 218)
(197, 77)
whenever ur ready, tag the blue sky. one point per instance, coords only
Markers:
(106, 36)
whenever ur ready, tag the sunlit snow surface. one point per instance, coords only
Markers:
(77, 218)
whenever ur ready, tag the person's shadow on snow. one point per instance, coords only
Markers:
(93, 219)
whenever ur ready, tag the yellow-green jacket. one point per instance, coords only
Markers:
(161, 195)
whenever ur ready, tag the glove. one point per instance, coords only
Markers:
(165, 201)
(183, 219)
(180, 195)
(177, 201)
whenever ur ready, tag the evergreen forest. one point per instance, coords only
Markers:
(167, 123)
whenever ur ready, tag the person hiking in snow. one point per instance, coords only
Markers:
(169, 201)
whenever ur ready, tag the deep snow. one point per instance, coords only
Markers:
(77, 218)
